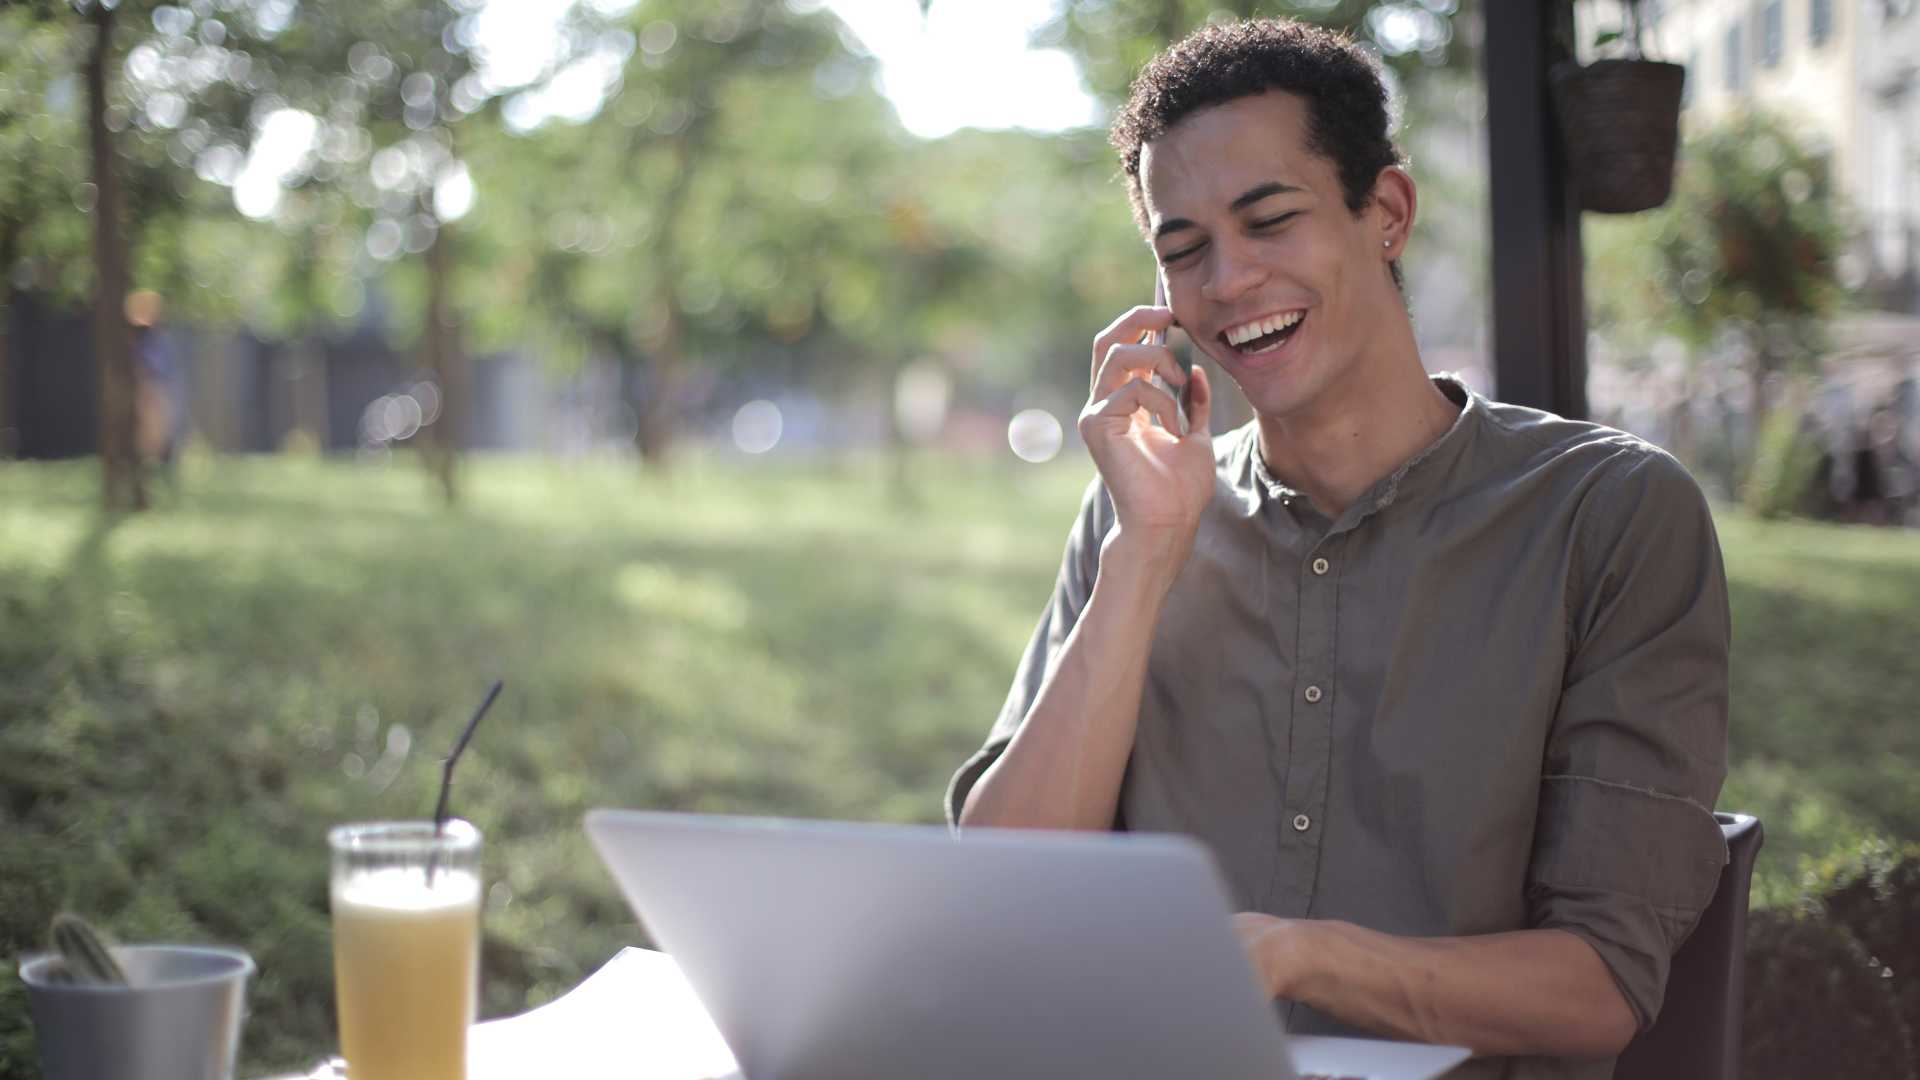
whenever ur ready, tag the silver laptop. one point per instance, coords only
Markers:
(836, 950)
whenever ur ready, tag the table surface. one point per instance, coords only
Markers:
(637, 1018)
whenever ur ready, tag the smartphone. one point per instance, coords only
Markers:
(1159, 337)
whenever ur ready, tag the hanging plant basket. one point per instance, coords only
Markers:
(1620, 120)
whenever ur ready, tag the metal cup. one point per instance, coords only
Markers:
(178, 1019)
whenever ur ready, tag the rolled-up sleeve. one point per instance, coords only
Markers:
(1626, 850)
(1071, 590)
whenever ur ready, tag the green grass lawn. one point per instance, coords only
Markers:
(189, 697)
(1826, 689)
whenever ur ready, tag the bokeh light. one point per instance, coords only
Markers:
(757, 427)
(1035, 435)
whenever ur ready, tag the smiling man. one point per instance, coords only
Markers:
(1441, 681)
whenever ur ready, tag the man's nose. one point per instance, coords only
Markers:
(1233, 270)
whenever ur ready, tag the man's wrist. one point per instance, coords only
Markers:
(1145, 557)
(1299, 958)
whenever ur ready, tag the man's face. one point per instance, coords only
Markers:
(1266, 268)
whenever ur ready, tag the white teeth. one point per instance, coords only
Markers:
(1239, 335)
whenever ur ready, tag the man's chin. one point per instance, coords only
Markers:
(1275, 392)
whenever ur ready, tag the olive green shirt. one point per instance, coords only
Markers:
(1490, 695)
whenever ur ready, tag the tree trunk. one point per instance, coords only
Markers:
(1756, 407)
(441, 354)
(657, 409)
(122, 488)
(661, 390)
(631, 366)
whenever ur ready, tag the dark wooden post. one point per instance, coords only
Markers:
(1539, 307)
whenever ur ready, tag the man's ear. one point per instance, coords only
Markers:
(1395, 201)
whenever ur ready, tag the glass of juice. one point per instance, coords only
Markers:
(406, 947)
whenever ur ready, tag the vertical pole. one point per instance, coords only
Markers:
(1539, 306)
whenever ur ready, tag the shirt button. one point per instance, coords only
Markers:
(1301, 823)
(1320, 566)
(1313, 695)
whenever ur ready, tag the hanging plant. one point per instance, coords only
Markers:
(1620, 123)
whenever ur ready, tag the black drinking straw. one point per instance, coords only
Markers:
(446, 773)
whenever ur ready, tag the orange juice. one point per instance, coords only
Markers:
(406, 961)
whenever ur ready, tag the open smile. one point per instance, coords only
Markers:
(1263, 335)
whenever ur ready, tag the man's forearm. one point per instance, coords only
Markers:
(1523, 992)
(1064, 767)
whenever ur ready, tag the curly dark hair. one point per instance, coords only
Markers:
(1346, 100)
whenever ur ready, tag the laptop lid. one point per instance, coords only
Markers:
(830, 949)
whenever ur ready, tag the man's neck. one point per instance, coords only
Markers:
(1381, 416)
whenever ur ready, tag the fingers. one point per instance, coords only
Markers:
(1200, 403)
(1131, 397)
(1128, 328)
(1124, 362)
(1251, 922)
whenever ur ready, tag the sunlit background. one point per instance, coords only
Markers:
(709, 371)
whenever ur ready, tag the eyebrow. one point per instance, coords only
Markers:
(1247, 198)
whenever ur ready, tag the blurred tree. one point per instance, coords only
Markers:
(168, 91)
(1050, 212)
(764, 143)
(83, 34)
(752, 205)
(1749, 245)
(1740, 263)
(331, 127)
(376, 95)
(1113, 39)
(670, 185)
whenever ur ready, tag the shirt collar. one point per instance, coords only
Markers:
(1424, 468)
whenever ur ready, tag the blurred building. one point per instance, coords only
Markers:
(1846, 74)
(1848, 71)
(1890, 197)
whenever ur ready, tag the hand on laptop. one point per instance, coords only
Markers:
(1276, 947)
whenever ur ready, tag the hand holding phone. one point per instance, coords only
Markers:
(1152, 442)
(1159, 337)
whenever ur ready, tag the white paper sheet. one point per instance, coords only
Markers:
(634, 1019)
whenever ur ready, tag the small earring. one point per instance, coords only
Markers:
(1386, 243)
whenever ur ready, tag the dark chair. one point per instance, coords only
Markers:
(1697, 1034)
